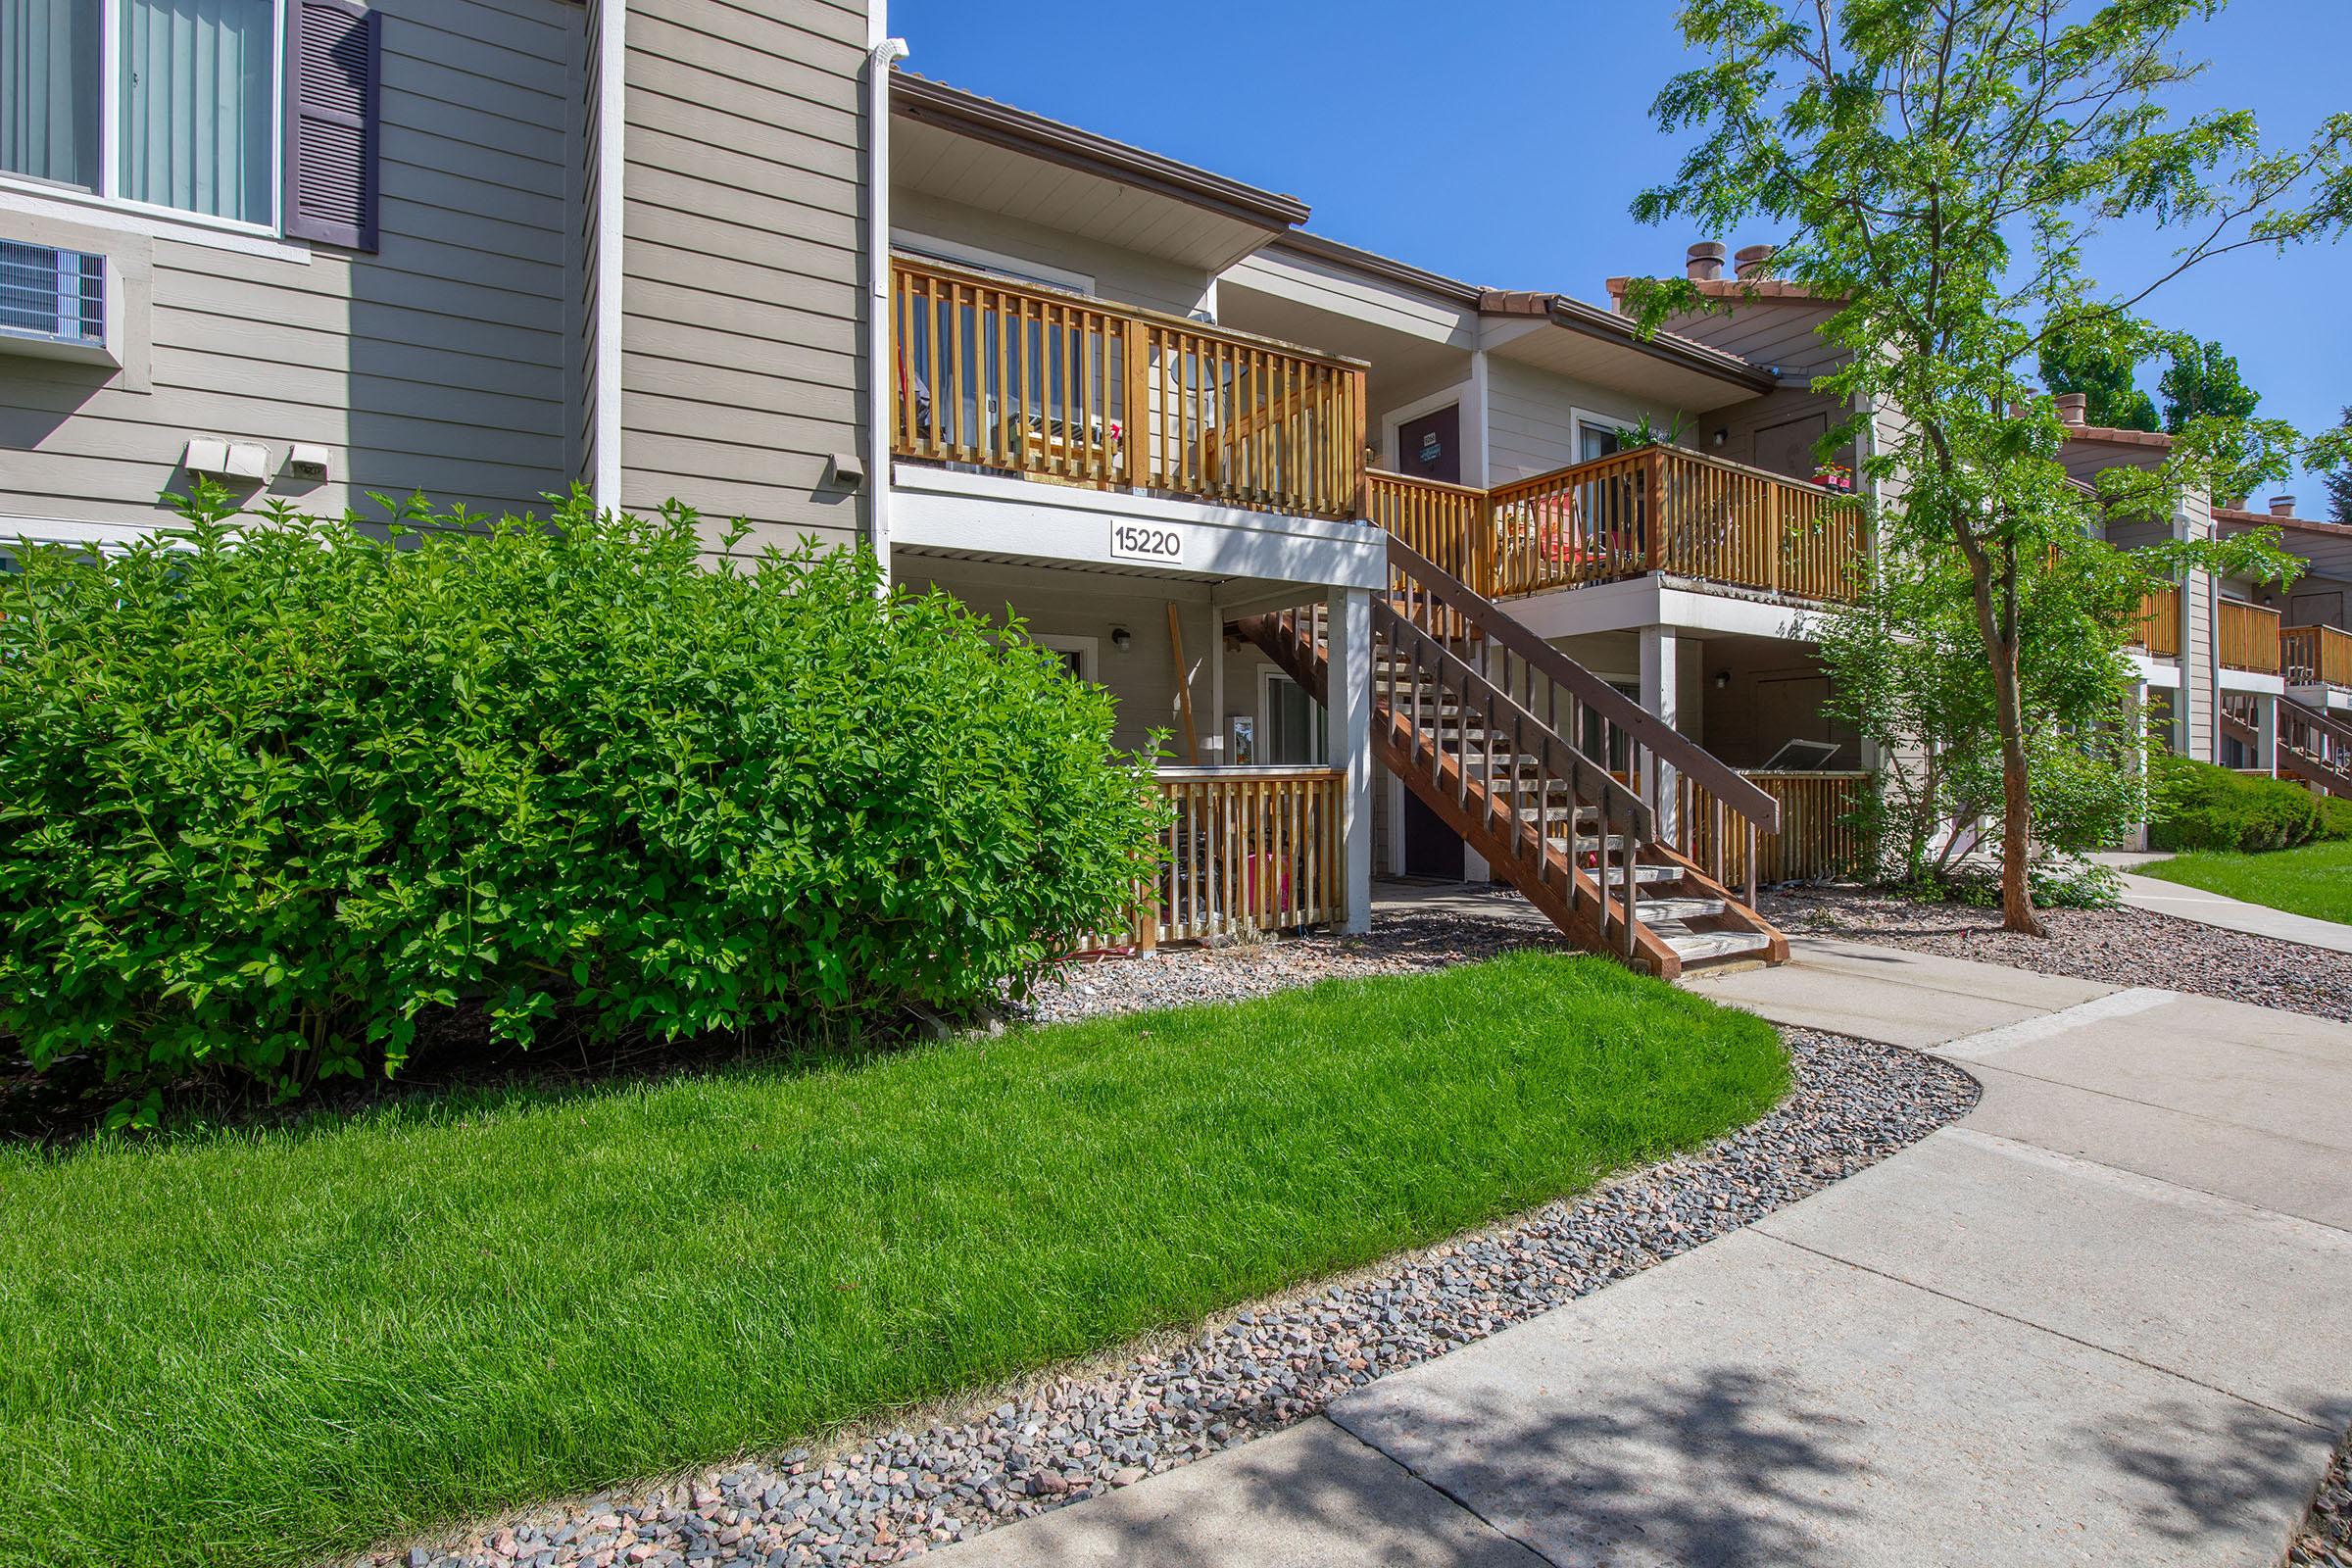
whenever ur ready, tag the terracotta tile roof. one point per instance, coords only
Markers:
(2104, 435)
(2240, 515)
(1743, 288)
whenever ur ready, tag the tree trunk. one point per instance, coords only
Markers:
(2017, 802)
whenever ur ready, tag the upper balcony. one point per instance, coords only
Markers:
(1656, 511)
(1030, 381)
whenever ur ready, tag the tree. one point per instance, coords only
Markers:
(2339, 485)
(1937, 166)
(2105, 378)
(2202, 382)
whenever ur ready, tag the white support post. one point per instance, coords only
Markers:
(1349, 716)
(1661, 675)
(2266, 735)
(2136, 834)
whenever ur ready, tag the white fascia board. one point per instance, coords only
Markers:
(2333, 698)
(2246, 680)
(2151, 671)
(1638, 602)
(939, 509)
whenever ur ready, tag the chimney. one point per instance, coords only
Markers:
(1705, 262)
(2282, 506)
(1754, 261)
(2073, 409)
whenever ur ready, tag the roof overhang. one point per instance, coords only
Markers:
(1585, 342)
(961, 147)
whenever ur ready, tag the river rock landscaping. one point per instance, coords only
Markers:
(2116, 947)
(885, 1497)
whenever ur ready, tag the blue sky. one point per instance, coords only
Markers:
(1501, 143)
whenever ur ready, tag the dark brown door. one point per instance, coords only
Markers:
(1789, 448)
(1431, 848)
(1431, 447)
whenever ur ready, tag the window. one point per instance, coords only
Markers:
(1079, 655)
(164, 102)
(1292, 730)
(1597, 437)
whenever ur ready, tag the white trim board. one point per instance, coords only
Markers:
(996, 515)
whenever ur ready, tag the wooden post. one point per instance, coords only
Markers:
(1135, 424)
(1360, 471)
(1183, 684)
(1656, 521)
(1774, 545)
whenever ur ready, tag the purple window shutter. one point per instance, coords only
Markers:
(334, 65)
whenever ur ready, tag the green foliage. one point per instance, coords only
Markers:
(1643, 433)
(2335, 817)
(2058, 883)
(1937, 166)
(276, 1346)
(1906, 670)
(2196, 805)
(2339, 484)
(2202, 383)
(2105, 375)
(272, 789)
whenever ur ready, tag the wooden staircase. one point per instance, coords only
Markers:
(1476, 715)
(2315, 747)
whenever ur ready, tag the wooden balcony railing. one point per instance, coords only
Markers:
(1592, 523)
(1817, 841)
(1033, 381)
(2158, 632)
(1247, 849)
(2315, 655)
(2249, 637)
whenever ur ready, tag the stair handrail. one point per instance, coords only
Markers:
(1620, 807)
(2328, 725)
(1609, 792)
(1732, 789)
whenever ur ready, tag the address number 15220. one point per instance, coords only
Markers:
(1141, 541)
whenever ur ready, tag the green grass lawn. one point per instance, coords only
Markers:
(2314, 880)
(263, 1347)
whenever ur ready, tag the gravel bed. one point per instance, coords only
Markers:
(1402, 942)
(2326, 1538)
(2116, 947)
(884, 1497)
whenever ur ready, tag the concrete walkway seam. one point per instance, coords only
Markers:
(2025, 1032)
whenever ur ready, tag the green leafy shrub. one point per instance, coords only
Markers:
(2196, 805)
(2335, 816)
(272, 789)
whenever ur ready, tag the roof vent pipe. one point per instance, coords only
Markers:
(1705, 262)
(1754, 261)
(2073, 409)
(2282, 506)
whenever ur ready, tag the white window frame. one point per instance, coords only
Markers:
(109, 194)
(1267, 676)
(1088, 649)
(1397, 418)
(1017, 268)
(1579, 418)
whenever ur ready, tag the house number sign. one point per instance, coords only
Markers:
(1142, 541)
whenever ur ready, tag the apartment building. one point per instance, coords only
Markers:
(1406, 575)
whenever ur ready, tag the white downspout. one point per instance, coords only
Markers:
(882, 52)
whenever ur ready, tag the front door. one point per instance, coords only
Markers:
(1789, 448)
(1431, 447)
(1431, 848)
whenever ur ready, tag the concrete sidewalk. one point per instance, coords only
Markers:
(2103, 1319)
(2185, 902)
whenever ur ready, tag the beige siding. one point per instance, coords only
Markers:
(742, 272)
(439, 364)
(1531, 413)
(1122, 276)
